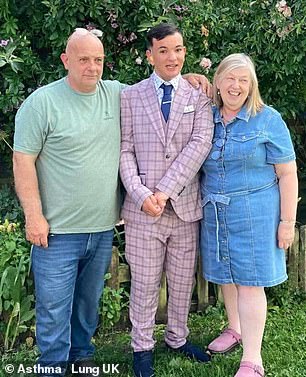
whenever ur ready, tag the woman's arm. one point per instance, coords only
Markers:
(288, 187)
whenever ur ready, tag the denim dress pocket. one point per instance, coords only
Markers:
(241, 147)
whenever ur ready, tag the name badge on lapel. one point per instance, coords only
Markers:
(188, 109)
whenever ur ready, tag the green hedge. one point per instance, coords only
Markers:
(33, 34)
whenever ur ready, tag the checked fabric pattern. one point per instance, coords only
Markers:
(155, 157)
(165, 156)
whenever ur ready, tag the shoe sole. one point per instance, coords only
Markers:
(227, 350)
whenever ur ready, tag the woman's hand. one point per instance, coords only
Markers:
(285, 234)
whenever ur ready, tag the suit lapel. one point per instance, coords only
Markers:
(147, 94)
(179, 102)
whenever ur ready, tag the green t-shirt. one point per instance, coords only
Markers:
(76, 138)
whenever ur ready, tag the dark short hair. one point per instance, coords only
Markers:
(161, 31)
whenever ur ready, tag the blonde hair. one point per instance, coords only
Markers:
(254, 103)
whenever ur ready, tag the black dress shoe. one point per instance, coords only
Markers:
(192, 352)
(143, 364)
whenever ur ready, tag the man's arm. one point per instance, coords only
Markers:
(140, 194)
(26, 183)
(188, 162)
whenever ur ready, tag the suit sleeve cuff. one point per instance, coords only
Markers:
(140, 195)
(173, 194)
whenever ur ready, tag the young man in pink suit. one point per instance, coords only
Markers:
(166, 135)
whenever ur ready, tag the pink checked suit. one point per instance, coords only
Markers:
(156, 155)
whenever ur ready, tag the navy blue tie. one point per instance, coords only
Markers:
(166, 100)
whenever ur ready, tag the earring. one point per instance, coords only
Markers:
(218, 92)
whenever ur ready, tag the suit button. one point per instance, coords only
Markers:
(167, 156)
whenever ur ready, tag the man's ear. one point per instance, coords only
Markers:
(64, 59)
(150, 57)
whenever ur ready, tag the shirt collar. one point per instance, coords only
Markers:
(243, 114)
(158, 81)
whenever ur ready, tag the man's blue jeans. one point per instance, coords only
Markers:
(69, 280)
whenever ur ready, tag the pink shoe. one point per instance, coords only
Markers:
(227, 341)
(248, 369)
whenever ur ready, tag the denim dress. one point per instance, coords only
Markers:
(241, 200)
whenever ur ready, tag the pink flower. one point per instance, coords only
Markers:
(4, 42)
(283, 8)
(180, 9)
(122, 38)
(205, 63)
(287, 12)
(90, 26)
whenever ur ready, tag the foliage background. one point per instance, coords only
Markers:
(33, 34)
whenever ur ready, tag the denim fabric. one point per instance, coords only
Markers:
(240, 199)
(69, 280)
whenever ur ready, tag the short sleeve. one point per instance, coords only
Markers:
(29, 129)
(123, 86)
(116, 84)
(279, 145)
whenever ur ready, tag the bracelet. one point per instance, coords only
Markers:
(287, 221)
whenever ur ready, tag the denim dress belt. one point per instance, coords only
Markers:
(225, 199)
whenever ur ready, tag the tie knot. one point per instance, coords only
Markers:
(167, 88)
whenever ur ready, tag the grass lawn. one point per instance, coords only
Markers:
(284, 345)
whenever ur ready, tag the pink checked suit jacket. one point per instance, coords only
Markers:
(160, 156)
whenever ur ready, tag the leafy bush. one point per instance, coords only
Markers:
(10, 208)
(282, 296)
(113, 302)
(16, 286)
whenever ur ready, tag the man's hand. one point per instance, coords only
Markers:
(151, 207)
(37, 230)
(197, 80)
(161, 198)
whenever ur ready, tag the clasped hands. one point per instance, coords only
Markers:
(154, 205)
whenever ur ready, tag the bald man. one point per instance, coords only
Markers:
(66, 159)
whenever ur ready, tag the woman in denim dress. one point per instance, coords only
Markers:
(249, 195)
